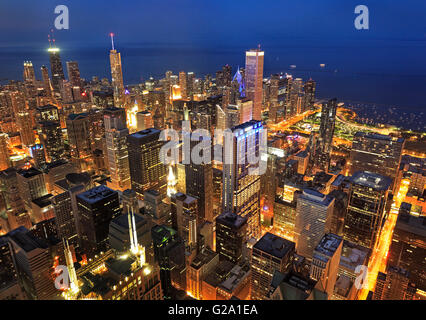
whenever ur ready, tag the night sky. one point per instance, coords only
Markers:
(201, 21)
(385, 64)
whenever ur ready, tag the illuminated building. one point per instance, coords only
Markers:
(131, 232)
(146, 169)
(29, 74)
(144, 120)
(9, 281)
(31, 185)
(199, 184)
(155, 208)
(367, 206)
(96, 208)
(228, 280)
(241, 190)
(46, 81)
(78, 129)
(116, 133)
(4, 152)
(294, 286)
(184, 209)
(74, 74)
(34, 260)
(271, 253)
(285, 213)
(394, 285)
(122, 278)
(51, 138)
(24, 123)
(130, 201)
(313, 214)
(56, 171)
(321, 155)
(171, 182)
(309, 96)
(338, 217)
(169, 252)
(183, 83)
(254, 80)
(65, 204)
(239, 82)
(376, 153)
(295, 92)
(325, 262)
(73, 286)
(116, 75)
(231, 234)
(202, 265)
(408, 247)
(56, 67)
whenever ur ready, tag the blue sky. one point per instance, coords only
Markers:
(210, 22)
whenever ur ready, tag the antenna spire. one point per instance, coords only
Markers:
(112, 40)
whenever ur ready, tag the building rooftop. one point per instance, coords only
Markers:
(252, 124)
(26, 240)
(353, 255)
(29, 173)
(203, 258)
(95, 194)
(316, 196)
(43, 201)
(144, 134)
(274, 245)
(327, 246)
(231, 220)
(371, 180)
(377, 136)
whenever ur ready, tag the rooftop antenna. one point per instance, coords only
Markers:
(50, 41)
(258, 46)
(112, 40)
(53, 38)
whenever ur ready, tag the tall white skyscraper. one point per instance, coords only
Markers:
(313, 214)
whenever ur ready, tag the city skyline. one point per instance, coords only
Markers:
(251, 182)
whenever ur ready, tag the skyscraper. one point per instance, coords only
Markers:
(146, 169)
(34, 260)
(241, 190)
(231, 236)
(78, 129)
(199, 184)
(116, 133)
(4, 151)
(376, 153)
(322, 154)
(169, 252)
(29, 74)
(367, 204)
(96, 208)
(117, 76)
(313, 216)
(309, 89)
(74, 73)
(271, 253)
(51, 138)
(56, 67)
(46, 81)
(24, 123)
(254, 80)
(325, 261)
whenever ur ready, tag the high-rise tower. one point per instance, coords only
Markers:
(117, 75)
(254, 80)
